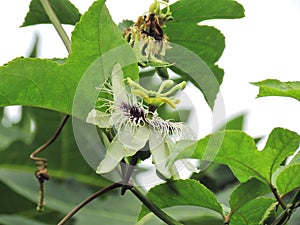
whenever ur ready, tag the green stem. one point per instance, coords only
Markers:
(88, 200)
(56, 23)
(127, 172)
(156, 210)
(283, 217)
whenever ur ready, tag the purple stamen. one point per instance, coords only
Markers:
(135, 113)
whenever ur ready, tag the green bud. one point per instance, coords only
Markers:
(154, 8)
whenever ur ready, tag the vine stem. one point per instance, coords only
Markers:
(153, 208)
(278, 198)
(41, 163)
(56, 23)
(286, 214)
(64, 37)
(284, 217)
(49, 142)
(156, 210)
(88, 200)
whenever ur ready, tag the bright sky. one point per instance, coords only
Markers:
(264, 44)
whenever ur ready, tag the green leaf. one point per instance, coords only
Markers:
(246, 192)
(277, 88)
(252, 213)
(65, 11)
(286, 180)
(18, 203)
(64, 196)
(238, 150)
(8, 135)
(179, 193)
(15, 132)
(207, 43)
(34, 48)
(16, 219)
(125, 24)
(296, 159)
(47, 84)
(210, 177)
(236, 123)
(181, 115)
(64, 158)
(188, 215)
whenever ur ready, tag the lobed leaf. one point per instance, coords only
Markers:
(179, 193)
(252, 213)
(207, 43)
(65, 11)
(286, 180)
(238, 150)
(236, 123)
(97, 45)
(246, 192)
(272, 87)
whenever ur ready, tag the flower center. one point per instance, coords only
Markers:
(135, 113)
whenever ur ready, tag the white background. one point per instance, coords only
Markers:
(264, 44)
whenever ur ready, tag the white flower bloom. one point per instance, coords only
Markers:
(135, 127)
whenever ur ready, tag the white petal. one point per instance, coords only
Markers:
(160, 157)
(118, 86)
(133, 137)
(111, 159)
(115, 153)
(187, 132)
(98, 118)
(156, 138)
(118, 118)
(190, 166)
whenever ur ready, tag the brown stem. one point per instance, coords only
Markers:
(49, 142)
(284, 217)
(41, 164)
(88, 200)
(40, 206)
(228, 218)
(278, 198)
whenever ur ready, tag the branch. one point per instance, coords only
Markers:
(56, 23)
(88, 200)
(153, 208)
